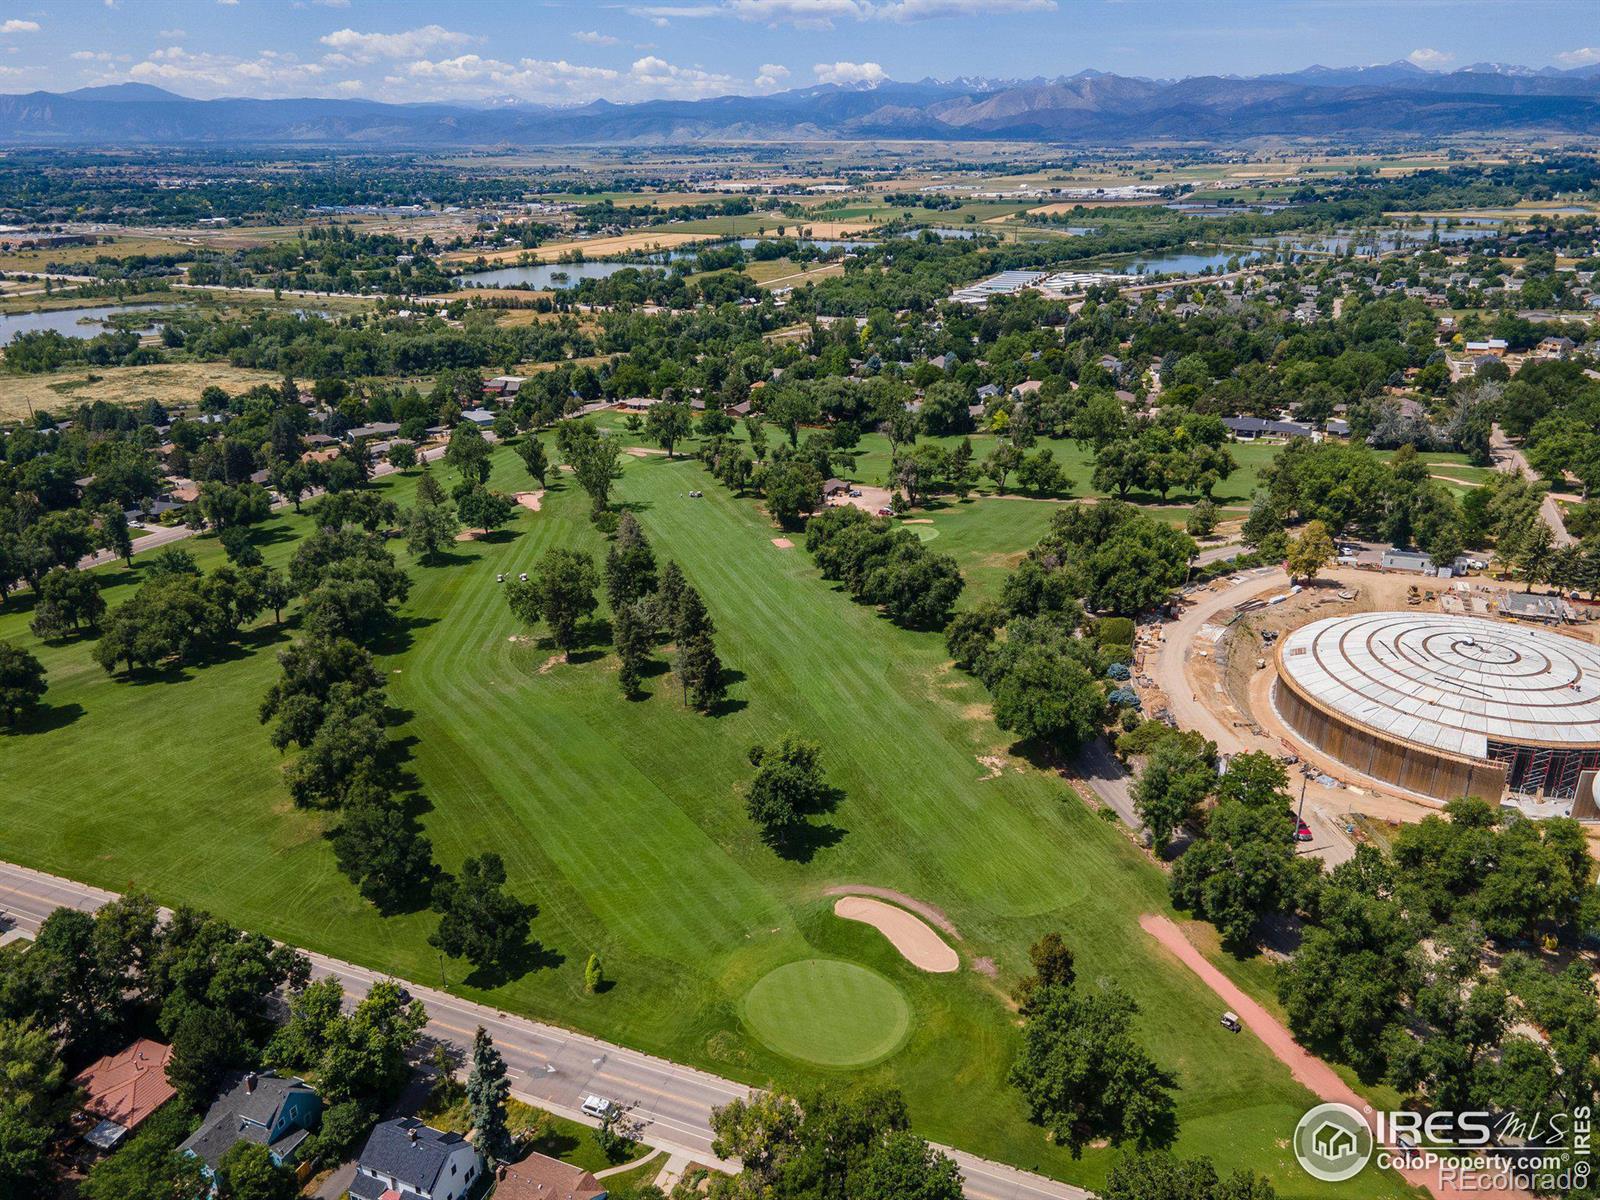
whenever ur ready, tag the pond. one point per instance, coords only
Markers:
(546, 276)
(71, 322)
(1184, 263)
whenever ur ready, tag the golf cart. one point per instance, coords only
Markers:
(1230, 1022)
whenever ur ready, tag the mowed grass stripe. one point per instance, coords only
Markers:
(624, 821)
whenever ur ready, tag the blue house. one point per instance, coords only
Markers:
(271, 1111)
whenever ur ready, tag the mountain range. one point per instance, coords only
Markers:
(1395, 100)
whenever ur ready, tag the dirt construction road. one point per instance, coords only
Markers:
(1309, 1070)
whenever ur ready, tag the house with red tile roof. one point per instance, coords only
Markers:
(123, 1089)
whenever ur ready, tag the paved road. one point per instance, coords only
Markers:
(551, 1067)
(1510, 459)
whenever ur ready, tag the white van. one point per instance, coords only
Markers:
(598, 1108)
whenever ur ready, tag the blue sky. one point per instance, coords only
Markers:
(574, 51)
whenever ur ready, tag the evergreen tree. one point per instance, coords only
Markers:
(632, 631)
(630, 564)
(487, 1092)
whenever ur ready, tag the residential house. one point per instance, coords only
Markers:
(834, 487)
(505, 385)
(122, 1089)
(407, 1160)
(481, 417)
(1495, 347)
(377, 429)
(270, 1110)
(1248, 429)
(988, 390)
(1026, 388)
(539, 1177)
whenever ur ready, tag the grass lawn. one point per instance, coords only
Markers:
(624, 821)
(827, 1011)
(554, 1137)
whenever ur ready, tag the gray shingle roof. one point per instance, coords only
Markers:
(243, 1114)
(415, 1161)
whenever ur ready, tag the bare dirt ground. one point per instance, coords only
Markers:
(1307, 1068)
(173, 384)
(871, 498)
(531, 500)
(921, 907)
(920, 945)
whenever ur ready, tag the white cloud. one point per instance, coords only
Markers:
(1581, 57)
(821, 14)
(16, 26)
(268, 74)
(657, 77)
(849, 72)
(409, 44)
(590, 37)
(928, 10)
(771, 75)
(99, 56)
(229, 3)
(172, 35)
(1431, 60)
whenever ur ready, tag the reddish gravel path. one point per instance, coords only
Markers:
(1309, 1070)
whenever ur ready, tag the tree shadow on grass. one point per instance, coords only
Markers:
(497, 537)
(271, 536)
(45, 718)
(801, 843)
(729, 704)
(399, 637)
(532, 955)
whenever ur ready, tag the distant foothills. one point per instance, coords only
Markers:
(1397, 100)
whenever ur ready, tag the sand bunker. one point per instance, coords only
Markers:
(643, 451)
(783, 543)
(531, 500)
(921, 946)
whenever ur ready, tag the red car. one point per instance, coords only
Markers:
(1302, 831)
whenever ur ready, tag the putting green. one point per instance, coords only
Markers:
(828, 1012)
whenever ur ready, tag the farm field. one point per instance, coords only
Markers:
(546, 763)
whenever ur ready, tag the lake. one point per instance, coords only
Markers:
(70, 322)
(1189, 263)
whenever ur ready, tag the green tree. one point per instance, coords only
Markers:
(366, 1058)
(480, 920)
(531, 451)
(1309, 552)
(788, 784)
(593, 976)
(1049, 698)
(792, 489)
(633, 635)
(1157, 1175)
(488, 1089)
(402, 456)
(1242, 870)
(379, 847)
(248, 1173)
(1175, 780)
(560, 593)
(115, 535)
(630, 564)
(22, 683)
(1053, 966)
(1085, 1076)
(701, 672)
(468, 454)
(68, 601)
(34, 1102)
(149, 1165)
(667, 424)
(598, 466)
(482, 509)
(429, 529)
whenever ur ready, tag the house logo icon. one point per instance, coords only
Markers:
(1333, 1142)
